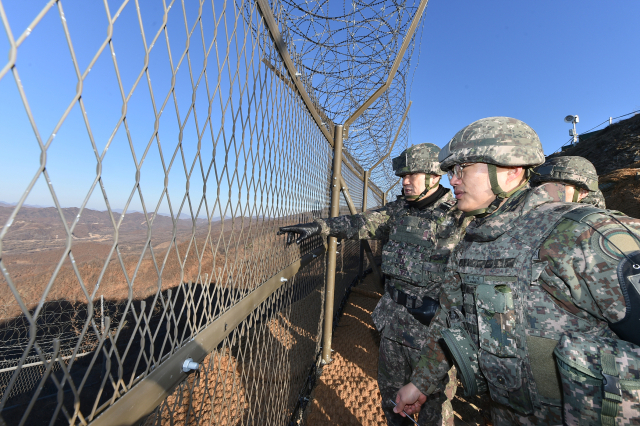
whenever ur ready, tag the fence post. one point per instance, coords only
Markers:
(102, 314)
(332, 247)
(367, 173)
(384, 199)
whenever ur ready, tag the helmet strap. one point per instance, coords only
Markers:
(500, 193)
(576, 194)
(427, 187)
(493, 179)
(487, 210)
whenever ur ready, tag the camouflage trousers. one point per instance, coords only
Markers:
(504, 416)
(394, 371)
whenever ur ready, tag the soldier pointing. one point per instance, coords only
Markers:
(542, 310)
(421, 228)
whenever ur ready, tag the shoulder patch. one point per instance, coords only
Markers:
(579, 214)
(613, 240)
(629, 270)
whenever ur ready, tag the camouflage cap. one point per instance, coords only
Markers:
(418, 158)
(502, 141)
(573, 170)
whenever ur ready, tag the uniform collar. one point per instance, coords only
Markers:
(523, 201)
(442, 195)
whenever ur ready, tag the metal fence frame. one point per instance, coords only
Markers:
(150, 391)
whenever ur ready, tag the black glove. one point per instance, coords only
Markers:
(304, 230)
(425, 313)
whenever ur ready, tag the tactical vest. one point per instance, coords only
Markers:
(419, 247)
(514, 322)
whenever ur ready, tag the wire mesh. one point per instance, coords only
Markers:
(345, 51)
(374, 198)
(176, 135)
(255, 375)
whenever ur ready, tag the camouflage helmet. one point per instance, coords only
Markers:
(421, 158)
(577, 171)
(501, 141)
(496, 141)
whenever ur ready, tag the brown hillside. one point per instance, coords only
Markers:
(34, 247)
(621, 190)
(36, 229)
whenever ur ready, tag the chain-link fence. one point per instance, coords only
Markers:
(182, 136)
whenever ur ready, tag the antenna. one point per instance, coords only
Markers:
(572, 132)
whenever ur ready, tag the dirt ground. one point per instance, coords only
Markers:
(347, 391)
(621, 190)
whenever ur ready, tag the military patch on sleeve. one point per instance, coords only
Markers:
(612, 240)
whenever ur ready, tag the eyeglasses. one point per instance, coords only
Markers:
(457, 170)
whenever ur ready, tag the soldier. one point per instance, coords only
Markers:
(543, 305)
(595, 198)
(577, 174)
(422, 228)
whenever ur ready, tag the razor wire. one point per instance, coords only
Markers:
(345, 51)
(199, 149)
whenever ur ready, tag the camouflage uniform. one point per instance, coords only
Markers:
(413, 261)
(596, 199)
(572, 170)
(529, 274)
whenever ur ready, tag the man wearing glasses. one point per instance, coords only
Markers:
(542, 307)
(422, 228)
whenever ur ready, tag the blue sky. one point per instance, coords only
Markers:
(537, 61)
(49, 79)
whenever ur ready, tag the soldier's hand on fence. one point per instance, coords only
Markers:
(409, 399)
(303, 230)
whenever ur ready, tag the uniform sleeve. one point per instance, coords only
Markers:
(370, 225)
(433, 364)
(582, 261)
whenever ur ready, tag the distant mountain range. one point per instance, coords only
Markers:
(3, 204)
(183, 216)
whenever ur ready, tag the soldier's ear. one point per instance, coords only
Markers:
(583, 193)
(514, 173)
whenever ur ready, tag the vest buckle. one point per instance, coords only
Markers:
(611, 384)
